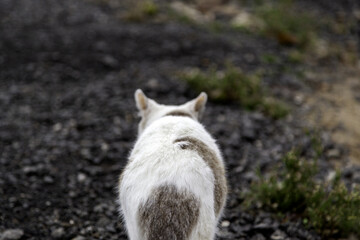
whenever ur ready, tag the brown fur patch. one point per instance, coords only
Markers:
(179, 113)
(209, 156)
(169, 214)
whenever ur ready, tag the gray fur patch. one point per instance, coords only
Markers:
(179, 113)
(209, 156)
(169, 213)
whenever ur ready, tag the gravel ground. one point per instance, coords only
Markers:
(68, 71)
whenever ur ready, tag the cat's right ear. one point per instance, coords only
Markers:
(142, 102)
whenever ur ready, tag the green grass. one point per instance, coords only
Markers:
(270, 59)
(235, 86)
(287, 26)
(142, 10)
(329, 208)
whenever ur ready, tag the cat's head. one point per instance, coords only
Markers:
(150, 111)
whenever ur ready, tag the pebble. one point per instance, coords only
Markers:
(57, 127)
(109, 61)
(225, 224)
(11, 234)
(81, 177)
(278, 235)
(48, 179)
(258, 237)
(78, 238)
(333, 153)
(58, 232)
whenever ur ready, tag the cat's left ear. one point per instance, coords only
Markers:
(197, 106)
(142, 102)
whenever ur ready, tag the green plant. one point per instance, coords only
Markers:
(296, 56)
(142, 10)
(336, 212)
(287, 26)
(233, 85)
(270, 58)
(274, 108)
(328, 207)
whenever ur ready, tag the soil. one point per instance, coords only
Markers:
(68, 71)
(336, 107)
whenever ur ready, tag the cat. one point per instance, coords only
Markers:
(174, 185)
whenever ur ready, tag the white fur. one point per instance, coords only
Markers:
(156, 160)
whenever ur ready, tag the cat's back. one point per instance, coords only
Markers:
(161, 154)
(162, 135)
(158, 182)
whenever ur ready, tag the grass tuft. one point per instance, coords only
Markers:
(327, 207)
(288, 27)
(234, 85)
(142, 10)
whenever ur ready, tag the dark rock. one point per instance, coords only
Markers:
(258, 236)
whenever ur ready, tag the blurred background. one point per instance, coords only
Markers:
(283, 83)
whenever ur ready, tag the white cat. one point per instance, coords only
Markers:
(173, 186)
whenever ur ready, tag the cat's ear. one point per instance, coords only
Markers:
(143, 103)
(197, 106)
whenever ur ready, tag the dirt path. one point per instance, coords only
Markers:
(336, 107)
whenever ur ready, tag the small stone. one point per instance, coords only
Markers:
(100, 207)
(221, 118)
(11, 234)
(153, 83)
(48, 179)
(243, 19)
(299, 99)
(258, 237)
(331, 176)
(110, 61)
(30, 169)
(85, 152)
(57, 127)
(264, 228)
(189, 11)
(72, 194)
(104, 147)
(333, 153)
(78, 238)
(81, 177)
(225, 224)
(58, 232)
(258, 144)
(278, 235)
(224, 233)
